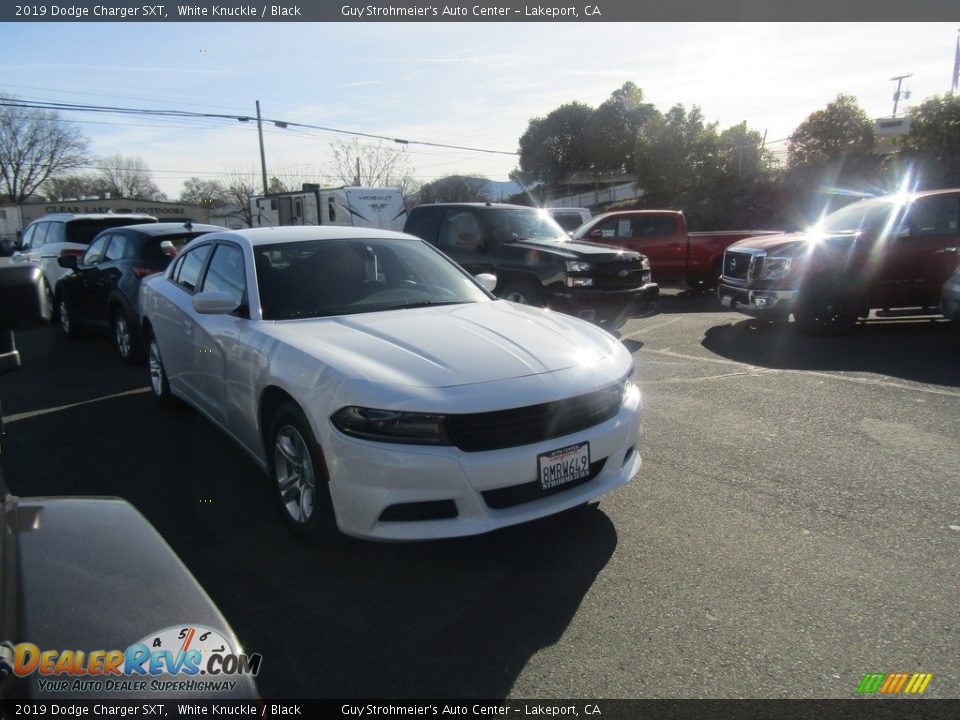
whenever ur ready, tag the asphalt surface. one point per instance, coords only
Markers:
(796, 524)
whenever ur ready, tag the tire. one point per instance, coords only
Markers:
(826, 311)
(159, 385)
(126, 339)
(522, 292)
(50, 299)
(299, 474)
(65, 315)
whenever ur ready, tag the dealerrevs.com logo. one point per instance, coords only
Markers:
(894, 683)
(181, 658)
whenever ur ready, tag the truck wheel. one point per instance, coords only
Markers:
(826, 311)
(522, 292)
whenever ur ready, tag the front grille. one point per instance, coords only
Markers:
(528, 492)
(623, 275)
(477, 432)
(736, 264)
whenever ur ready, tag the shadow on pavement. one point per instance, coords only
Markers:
(921, 351)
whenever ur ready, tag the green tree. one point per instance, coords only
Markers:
(933, 143)
(677, 154)
(741, 153)
(614, 127)
(555, 145)
(35, 146)
(840, 130)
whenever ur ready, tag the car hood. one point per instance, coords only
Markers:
(577, 250)
(447, 346)
(794, 243)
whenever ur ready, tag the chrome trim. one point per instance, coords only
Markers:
(755, 255)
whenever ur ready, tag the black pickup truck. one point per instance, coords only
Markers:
(537, 263)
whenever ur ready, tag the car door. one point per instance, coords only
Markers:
(218, 363)
(910, 262)
(81, 288)
(171, 315)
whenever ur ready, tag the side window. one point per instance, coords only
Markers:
(94, 253)
(460, 229)
(424, 223)
(935, 215)
(117, 248)
(56, 233)
(654, 226)
(188, 273)
(27, 241)
(225, 272)
(39, 236)
(608, 228)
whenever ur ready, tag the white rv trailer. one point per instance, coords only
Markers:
(358, 206)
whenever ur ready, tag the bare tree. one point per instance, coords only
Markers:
(241, 188)
(66, 187)
(455, 188)
(35, 145)
(208, 193)
(373, 165)
(128, 177)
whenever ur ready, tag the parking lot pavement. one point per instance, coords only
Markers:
(795, 525)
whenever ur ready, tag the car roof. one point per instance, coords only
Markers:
(256, 237)
(507, 206)
(168, 228)
(93, 216)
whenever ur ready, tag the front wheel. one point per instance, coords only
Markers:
(523, 293)
(826, 311)
(158, 375)
(65, 313)
(297, 468)
(125, 339)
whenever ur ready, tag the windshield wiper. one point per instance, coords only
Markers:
(427, 303)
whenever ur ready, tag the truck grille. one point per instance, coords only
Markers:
(477, 432)
(736, 264)
(622, 275)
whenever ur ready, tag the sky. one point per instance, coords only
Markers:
(466, 84)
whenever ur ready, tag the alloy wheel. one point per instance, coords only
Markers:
(295, 475)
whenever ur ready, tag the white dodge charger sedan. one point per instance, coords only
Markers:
(386, 392)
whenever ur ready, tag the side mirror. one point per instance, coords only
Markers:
(68, 262)
(487, 281)
(23, 305)
(214, 302)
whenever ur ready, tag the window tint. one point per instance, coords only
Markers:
(424, 223)
(653, 226)
(460, 229)
(189, 271)
(567, 220)
(84, 230)
(226, 272)
(95, 251)
(935, 215)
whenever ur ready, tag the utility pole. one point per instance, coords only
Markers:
(898, 95)
(263, 157)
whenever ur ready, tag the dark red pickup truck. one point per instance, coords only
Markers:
(676, 256)
(887, 252)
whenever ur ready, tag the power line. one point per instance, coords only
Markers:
(71, 107)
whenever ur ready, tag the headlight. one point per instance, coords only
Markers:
(646, 263)
(775, 268)
(392, 426)
(578, 266)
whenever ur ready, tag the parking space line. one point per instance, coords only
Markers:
(46, 411)
(641, 331)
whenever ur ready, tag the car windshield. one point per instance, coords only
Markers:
(321, 278)
(512, 225)
(859, 217)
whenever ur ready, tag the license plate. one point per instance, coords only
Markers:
(565, 465)
(726, 300)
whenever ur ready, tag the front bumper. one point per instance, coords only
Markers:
(758, 303)
(609, 307)
(442, 492)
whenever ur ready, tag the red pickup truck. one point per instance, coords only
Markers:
(676, 255)
(887, 252)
